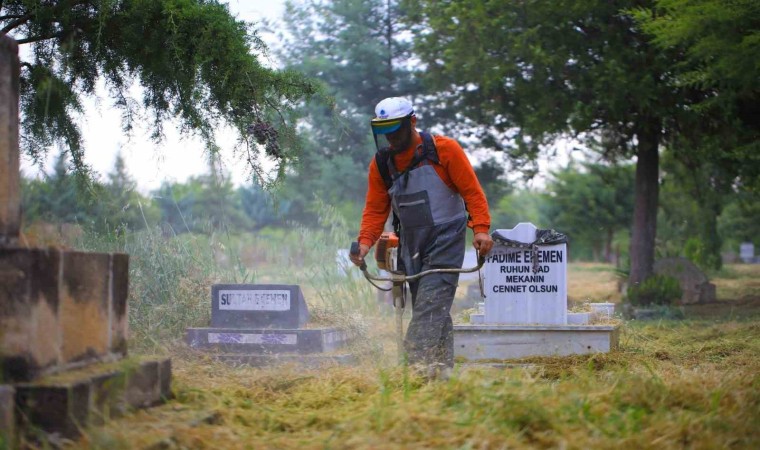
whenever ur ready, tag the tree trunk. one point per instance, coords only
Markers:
(608, 246)
(645, 209)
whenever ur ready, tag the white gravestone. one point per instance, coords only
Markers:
(515, 293)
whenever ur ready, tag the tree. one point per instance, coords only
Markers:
(492, 178)
(739, 223)
(193, 60)
(718, 151)
(591, 204)
(539, 70)
(718, 42)
(120, 205)
(354, 47)
(54, 198)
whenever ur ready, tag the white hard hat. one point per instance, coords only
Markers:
(389, 115)
(393, 108)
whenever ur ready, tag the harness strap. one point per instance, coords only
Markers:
(429, 152)
(382, 159)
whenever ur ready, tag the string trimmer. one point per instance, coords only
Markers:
(386, 255)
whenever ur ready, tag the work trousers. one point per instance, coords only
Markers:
(430, 337)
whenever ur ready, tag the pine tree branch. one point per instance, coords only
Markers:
(20, 21)
(43, 37)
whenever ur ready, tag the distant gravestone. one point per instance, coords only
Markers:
(694, 283)
(525, 285)
(258, 306)
(470, 261)
(747, 252)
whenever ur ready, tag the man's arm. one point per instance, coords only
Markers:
(377, 206)
(466, 183)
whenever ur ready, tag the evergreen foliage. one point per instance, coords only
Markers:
(192, 59)
(532, 72)
(355, 48)
(592, 203)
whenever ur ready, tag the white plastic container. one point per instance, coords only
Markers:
(602, 310)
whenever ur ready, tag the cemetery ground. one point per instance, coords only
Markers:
(689, 383)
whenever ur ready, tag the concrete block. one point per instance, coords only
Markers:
(579, 318)
(477, 318)
(85, 303)
(258, 306)
(119, 295)
(63, 409)
(29, 312)
(143, 385)
(10, 186)
(495, 342)
(165, 379)
(107, 395)
(7, 416)
(264, 341)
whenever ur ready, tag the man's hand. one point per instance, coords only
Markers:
(482, 243)
(359, 259)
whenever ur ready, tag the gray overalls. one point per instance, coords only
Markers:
(433, 224)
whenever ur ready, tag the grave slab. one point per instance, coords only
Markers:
(309, 361)
(55, 408)
(267, 340)
(67, 403)
(497, 342)
(84, 305)
(29, 303)
(255, 306)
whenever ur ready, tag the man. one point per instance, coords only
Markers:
(428, 182)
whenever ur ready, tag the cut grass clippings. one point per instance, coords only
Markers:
(671, 385)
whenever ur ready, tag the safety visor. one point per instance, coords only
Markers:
(386, 126)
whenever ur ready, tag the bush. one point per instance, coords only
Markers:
(655, 290)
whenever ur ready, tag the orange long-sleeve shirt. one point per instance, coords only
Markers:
(456, 172)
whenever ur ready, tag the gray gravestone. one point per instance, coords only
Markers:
(747, 252)
(252, 306)
(694, 283)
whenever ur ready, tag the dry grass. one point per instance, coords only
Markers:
(592, 282)
(672, 384)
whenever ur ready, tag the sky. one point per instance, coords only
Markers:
(176, 158)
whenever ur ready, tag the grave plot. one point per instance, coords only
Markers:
(264, 324)
(525, 308)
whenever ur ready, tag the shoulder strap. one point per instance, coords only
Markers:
(428, 147)
(381, 159)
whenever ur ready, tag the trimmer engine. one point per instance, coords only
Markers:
(386, 252)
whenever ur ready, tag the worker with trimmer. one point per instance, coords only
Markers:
(430, 185)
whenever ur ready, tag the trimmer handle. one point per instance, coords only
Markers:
(355, 250)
